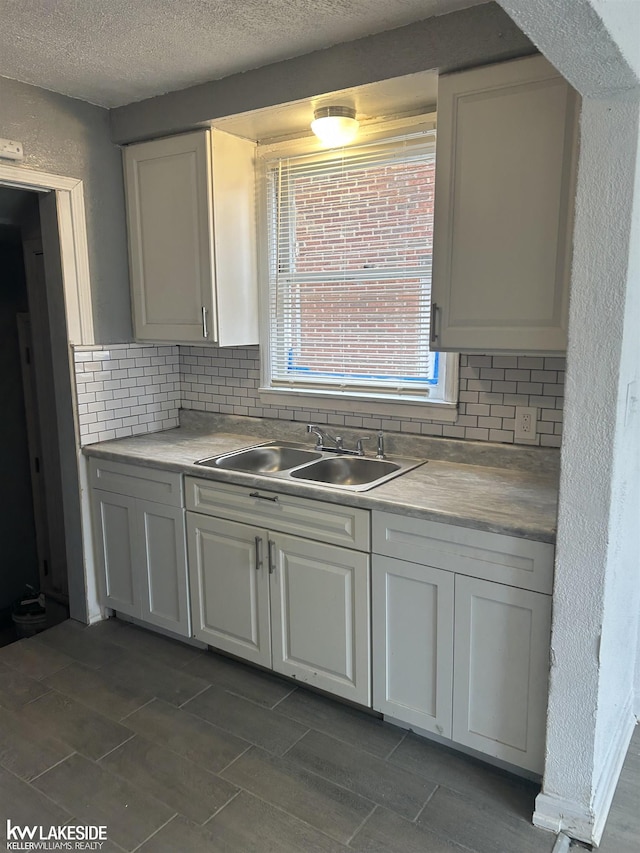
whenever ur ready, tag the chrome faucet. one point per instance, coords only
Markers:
(322, 436)
(338, 442)
(380, 453)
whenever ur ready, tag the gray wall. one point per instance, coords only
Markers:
(17, 530)
(71, 138)
(474, 36)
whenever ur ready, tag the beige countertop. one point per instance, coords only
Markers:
(501, 500)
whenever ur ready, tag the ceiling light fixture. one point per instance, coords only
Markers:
(335, 126)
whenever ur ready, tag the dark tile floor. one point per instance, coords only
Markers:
(185, 751)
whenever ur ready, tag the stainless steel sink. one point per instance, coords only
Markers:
(266, 459)
(346, 471)
(287, 460)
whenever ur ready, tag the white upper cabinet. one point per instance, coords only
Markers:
(503, 208)
(192, 244)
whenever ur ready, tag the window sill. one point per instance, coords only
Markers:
(328, 401)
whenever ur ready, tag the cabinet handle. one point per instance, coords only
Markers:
(258, 553)
(205, 328)
(274, 499)
(435, 312)
(272, 556)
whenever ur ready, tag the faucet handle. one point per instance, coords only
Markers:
(359, 447)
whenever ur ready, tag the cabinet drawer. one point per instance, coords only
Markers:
(491, 556)
(137, 481)
(311, 519)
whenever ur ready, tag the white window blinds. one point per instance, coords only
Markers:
(350, 244)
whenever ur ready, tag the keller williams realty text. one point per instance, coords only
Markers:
(55, 837)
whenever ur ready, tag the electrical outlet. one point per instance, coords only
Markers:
(11, 150)
(526, 424)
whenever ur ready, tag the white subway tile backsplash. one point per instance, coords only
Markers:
(529, 388)
(130, 389)
(554, 364)
(479, 360)
(550, 440)
(477, 434)
(491, 373)
(505, 360)
(226, 381)
(126, 389)
(429, 428)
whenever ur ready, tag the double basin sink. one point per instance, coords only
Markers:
(291, 461)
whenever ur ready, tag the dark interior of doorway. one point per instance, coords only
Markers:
(23, 523)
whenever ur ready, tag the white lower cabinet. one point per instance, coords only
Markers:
(462, 657)
(413, 643)
(140, 543)
(460, 619)
(229, 587)
(114, 519)
(501, 669)
(292, 603)
(320, 615)
(163, 562)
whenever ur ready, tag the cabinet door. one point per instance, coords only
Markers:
(413, 643)
(501, 671)
(115, 548)
(229, 583)
(169, 213)
(162, 562)
(320, 615)
(503, 205)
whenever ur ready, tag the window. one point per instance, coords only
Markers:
(349, 274)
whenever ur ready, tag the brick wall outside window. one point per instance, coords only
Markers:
(354, 221)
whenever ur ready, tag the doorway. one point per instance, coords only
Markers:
(32, 524)
(64, 237)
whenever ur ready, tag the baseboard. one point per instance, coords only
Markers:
(586, 822)
(557, 814)
(608, 781)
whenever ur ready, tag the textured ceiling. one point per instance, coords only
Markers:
(113, 52)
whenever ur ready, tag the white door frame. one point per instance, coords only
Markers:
(79, 315)
(73, 243)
